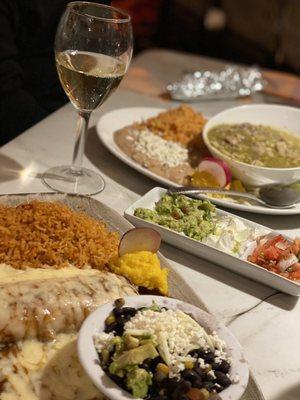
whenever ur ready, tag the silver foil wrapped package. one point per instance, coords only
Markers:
(231, 82)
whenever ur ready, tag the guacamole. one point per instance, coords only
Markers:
(259, 145)
(194, 218)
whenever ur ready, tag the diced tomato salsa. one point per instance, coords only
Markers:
(278, 255)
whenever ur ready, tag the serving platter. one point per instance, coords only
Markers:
(114, 221)
(117, 119)
(197, 248)
(178, 287)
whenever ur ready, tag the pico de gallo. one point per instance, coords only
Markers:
(277, 254)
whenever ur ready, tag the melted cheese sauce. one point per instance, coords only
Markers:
(49, 304)
(41, 308)
(9, 274)
(45, 371)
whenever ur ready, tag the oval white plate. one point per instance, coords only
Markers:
(95, 324)
(118, 119)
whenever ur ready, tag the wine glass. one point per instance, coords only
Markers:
(93, 49)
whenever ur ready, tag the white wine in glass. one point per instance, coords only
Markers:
(93, 49)
(88, 78)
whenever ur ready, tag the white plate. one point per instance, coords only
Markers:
(95, 324)
(210, 253)
(118, 119)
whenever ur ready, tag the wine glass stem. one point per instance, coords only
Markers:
(82, 125)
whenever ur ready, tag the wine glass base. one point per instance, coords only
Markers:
(64, 179)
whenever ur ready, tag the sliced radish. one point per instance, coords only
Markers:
(139, 239)
(218, 168)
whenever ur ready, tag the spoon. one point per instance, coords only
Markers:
(273, 196)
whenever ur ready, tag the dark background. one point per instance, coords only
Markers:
(263, 32)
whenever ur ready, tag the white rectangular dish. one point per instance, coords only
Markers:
(210, 253)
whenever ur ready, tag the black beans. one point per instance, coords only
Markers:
(122, 315)
(184, 385)
(159, 376)
(111, 327)
(119, 381)
(117, 312)
(208, 378)
(126, 318)
(177, 393)
(175, 389)
(165, 382)
(190, 375)
(198, 384)
(145, 366)
(153, 363)
(198, 353)
(170, 384)
(224, 367)
(209, 357)
(215, 366)
(119, 328)
(199, 371)
(208, 385)
(222, 379)
(129, 311)
(181, 388)
(218, 388)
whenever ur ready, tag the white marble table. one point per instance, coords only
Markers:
(266, 322)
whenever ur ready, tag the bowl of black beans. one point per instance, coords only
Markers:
(158, 348)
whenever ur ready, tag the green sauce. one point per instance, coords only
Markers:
(194, 218)
(259, 145)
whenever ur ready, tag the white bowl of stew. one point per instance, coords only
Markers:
(260, 143)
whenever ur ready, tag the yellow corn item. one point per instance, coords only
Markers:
(205, 393)
(163, 368)
(189, 364)
(142, 268)
(110, 319)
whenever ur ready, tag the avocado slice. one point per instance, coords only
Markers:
(133, 357)
(138, 381)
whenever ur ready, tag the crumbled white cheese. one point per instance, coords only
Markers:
(165, 151)
(101, 339)
(219, 344)
(176, 333)
(212, 374)
(201, 362)
(235, 378)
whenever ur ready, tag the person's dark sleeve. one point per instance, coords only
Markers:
(18, 109)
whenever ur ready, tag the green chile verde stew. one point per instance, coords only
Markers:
(260, 145)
